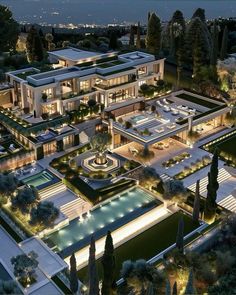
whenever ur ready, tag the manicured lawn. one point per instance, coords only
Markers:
(197, 100)
(149, 243)
(227, 148)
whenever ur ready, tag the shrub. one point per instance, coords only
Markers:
(128, 124)
(206, 160)
(73, 164)
(120, 120)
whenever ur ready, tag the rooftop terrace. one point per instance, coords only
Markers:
(75, 54)
(170, 116)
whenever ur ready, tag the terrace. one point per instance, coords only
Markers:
(29, 127)
(151, 126)
(169, 116)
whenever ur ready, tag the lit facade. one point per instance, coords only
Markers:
(107, 78)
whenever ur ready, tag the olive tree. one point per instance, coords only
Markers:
(149, 177)
(24, 267)
(44, 214)
(174, 190)
(99, 142)
(26, 199)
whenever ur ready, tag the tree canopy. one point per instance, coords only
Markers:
(26, 199)
(175, 191)
(44, 214)
(8, 30)
(153, 39)
(99, 142)
(25, 266)
(8, 184)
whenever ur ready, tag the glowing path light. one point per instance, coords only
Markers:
(123, 234)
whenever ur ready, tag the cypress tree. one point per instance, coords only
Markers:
(180, 236)
(196, 205)
(212, 187)
(108, 263)
(131, 37)
(153, 38)
(215, 44)
(175, 291)
(29, 42)
(73, 275)
(224, 44)
(198, 44)
(113, 44)
(34, 46)
(189, 290)
(176, 29)
(93, 276)
(149, 14)
(138, 41)
(38, 48)
(168, 287)
(200, 12)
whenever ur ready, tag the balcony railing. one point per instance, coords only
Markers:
(106, 87)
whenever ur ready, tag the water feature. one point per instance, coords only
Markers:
(115, 213)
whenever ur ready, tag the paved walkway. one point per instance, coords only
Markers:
(44, 163)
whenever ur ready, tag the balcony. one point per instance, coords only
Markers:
(107, 87)
(73, 94)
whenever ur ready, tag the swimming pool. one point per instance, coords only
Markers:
(117, 212)
(41, 179)
(139, 118)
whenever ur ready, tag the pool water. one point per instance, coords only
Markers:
(119, 211)
(39, 179)
(138, 118)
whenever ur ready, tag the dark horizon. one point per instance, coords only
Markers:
(57, 12)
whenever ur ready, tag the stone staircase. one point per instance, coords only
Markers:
(51, 190)
(222, 176)
(164, 177)
(75, 208)
(228, 203)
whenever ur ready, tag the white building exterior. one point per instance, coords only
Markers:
(107, 78)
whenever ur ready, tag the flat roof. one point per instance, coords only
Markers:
(74, 54)
(173, 113)
(49, 262)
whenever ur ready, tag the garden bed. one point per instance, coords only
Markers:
(226, 147)
(193, 168)
(198, 100)
(176, 160)
(10, 230)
